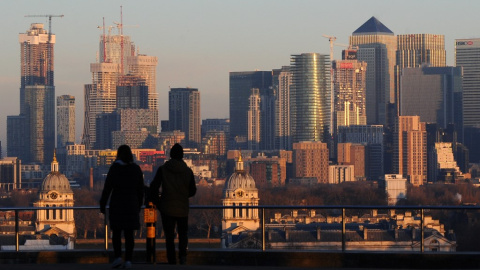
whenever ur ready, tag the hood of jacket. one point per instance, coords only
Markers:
(175, 166)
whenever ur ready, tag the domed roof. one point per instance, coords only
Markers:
(56, 181)
(241, 180)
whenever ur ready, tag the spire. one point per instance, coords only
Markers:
(54, 165)
(239, 167)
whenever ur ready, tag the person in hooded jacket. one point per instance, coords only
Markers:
(177, 184)
(125, 188)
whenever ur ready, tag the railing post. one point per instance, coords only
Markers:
(263, 229)
(422, 231)
(106, 230)
(16, 231)
(343, 229)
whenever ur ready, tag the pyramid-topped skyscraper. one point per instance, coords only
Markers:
(377, 46)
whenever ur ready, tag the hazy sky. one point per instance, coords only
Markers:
(199, 42)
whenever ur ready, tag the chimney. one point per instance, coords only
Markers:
(91, 178)
(294, 213)
(365, 234)
(396, 233)
(392, 213)
(312, 213)
(318, 233)
(269, 235)
(414, 233)
(287, 234)
(278, 216)
(374, 212)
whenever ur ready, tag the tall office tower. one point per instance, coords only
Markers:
(282, 80)
(253, 120)
(310, 159)
(310, 97)
(241, 84)
(349, 85)
(376, 46)
(65, 120)
(100, 97)
(467, 53)
(434, 94)
(145, 67)
(372, 137)
(267, 119)
(131, 93)
(184, 113)
(37, 99)
(410, 153)
(415, 50)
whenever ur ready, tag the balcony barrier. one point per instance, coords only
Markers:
(263, 208)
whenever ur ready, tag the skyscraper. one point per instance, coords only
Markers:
(282, 80)
(415, 50)
(65, 120)
(184, 113)
(467, 56)
(376, 46)
(37, 99)
(310, 97)
(410, 154)
(434, 94)
(241, 84)
(253, 124)
(145, 67)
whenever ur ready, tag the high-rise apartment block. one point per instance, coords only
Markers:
(434, 94)
(443, 167)
(282, 80)
(10, 173)
(310, 97)
(353, 154)
(241, 84)
(36, 122)
(410, 150)
(349, 86)
(376, 46)
(184, 113)
(65, 120)
(467, 56)
(253, 120)
(215, 143)
(215, 124)
(145, 67)
(310, 159)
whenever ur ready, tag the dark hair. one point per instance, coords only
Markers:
(176, 152)
(124, 153)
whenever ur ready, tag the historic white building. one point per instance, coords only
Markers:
(55, 192)
(240, 190)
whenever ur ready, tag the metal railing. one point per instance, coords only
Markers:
(263, 209)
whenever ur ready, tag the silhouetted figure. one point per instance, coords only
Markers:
(177, 183)
(124, 185)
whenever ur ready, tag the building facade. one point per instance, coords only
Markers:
(254, 120)
(467, 56)
(410, 156)
(184, 113)
(310, 159)
(65, 120)
(37, 98)
(310, 97)
(282, 81)
(376, 46)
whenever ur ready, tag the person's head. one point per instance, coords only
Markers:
(124, 153)
(176, 152)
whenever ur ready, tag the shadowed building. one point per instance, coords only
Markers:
(184, 114)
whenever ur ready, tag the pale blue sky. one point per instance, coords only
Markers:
(199, 42)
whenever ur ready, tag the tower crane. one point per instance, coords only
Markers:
(105, 39)
(49, 23)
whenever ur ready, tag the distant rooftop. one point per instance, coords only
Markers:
(372, 26)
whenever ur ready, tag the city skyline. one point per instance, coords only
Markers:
(194, 50)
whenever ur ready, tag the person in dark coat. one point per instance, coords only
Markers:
(125, 188)
(177, 183)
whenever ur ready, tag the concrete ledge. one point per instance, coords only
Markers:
(266, 258)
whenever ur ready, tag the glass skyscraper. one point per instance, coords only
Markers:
(310, 97)
(184, 114)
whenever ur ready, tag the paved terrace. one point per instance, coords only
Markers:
(241, 259)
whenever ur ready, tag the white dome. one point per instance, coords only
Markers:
(56, 181)
(241, 180)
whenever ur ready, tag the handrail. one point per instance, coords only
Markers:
(263, 220)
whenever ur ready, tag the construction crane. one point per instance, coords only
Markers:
(105, 39)
(49, 23)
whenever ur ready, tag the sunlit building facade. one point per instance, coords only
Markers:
(184, 113)
(310, 97)
(282, 81)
